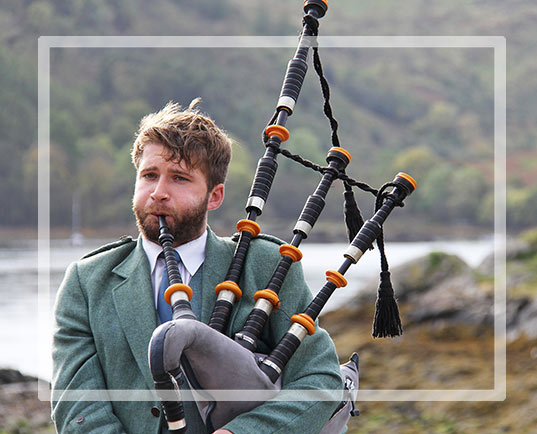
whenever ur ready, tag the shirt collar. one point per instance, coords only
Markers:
(192, 253)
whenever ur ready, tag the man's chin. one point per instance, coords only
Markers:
(149, 229)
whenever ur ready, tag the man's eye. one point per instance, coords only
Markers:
(179, 178)
(149, 175)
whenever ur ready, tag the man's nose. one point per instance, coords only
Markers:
(160, 192)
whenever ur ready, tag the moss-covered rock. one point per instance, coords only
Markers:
(427, 272)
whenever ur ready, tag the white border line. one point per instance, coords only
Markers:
(498, 43)
(302, 395)
(500, 226)
(43, 211)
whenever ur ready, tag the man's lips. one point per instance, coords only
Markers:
(154, 216)
(158, 213)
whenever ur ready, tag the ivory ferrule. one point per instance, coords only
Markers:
(353, 253)
(256, 202)
(264, 305)
(303, 227)
(287, 102)
(177, 296)
(298, 330)
(226, 295)
(178, 424)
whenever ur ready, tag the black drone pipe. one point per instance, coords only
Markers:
(178, 296)
(304, 323)
(267, 299)
(228, 291)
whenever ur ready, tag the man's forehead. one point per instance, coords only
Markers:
(157, 160)
(154, 153)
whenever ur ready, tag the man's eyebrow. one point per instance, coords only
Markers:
(173, 170)
(145, 168)
(178, 171)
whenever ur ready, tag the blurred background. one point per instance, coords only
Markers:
(427, 111)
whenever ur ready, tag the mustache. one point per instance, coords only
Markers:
(159, 211)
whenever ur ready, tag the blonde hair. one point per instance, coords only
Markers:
(189, 136)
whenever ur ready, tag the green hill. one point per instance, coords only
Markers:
(425, 111)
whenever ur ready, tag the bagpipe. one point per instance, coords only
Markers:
(186, 347)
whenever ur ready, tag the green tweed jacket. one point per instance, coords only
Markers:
(104, 318)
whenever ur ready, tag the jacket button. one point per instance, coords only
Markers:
(80, 420)
(155, 411)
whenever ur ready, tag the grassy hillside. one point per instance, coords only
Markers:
(425, 111)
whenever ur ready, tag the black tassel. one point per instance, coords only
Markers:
(387, 321)
(353, 219)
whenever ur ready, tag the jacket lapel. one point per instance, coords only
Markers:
(218, 255)
(134, 303)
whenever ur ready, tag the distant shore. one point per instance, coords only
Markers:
(324, 231)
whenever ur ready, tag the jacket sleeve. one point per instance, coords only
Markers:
(313, 367)
(76, 367)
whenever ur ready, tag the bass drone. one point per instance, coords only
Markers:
(186, 347)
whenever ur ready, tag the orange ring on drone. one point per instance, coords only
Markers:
(336, 278)
(177, 287)
(270, 295)
(277, 130)
(250, 226)
(408, 178)
(305, 321)
(341, 151)
(291, 251)
(229, 285)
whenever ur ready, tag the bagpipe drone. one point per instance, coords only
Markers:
(186, 347)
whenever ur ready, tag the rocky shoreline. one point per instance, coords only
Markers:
(449, 342)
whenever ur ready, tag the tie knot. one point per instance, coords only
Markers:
(170, 275)
(171, 266)
(162, 255)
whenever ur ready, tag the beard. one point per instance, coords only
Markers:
(184, 228)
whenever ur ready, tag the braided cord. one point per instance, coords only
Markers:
(321, 169)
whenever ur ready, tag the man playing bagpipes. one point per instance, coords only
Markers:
(110, 303)
(234, 314)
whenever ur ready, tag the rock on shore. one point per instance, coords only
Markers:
(21, 411)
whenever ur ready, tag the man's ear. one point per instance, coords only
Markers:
(216, 197)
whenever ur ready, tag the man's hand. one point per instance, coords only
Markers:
(222, 431)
